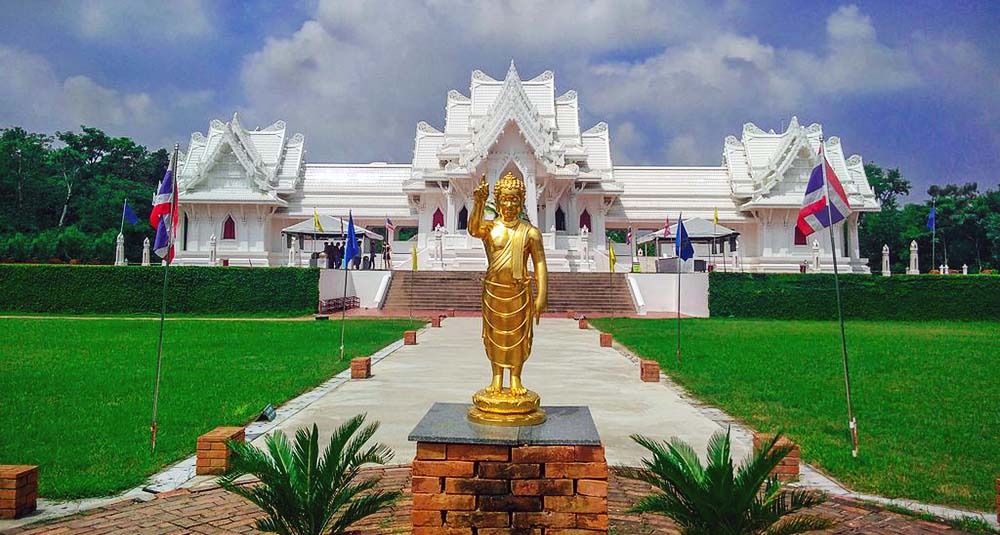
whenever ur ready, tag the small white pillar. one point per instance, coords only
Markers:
(914, 268)
(120, 250)
(293, 253)
(816, 265)
(965, 269)
(585, 248)
(212, 250)
(942, 269)
(145, 252)
(885, 262)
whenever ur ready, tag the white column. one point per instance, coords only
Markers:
(572, 213)
(531, 199)
(212, 250)
(816, 266)
(852, 227)
(293, 253)
(145, 252)
(451, 217)
(914, 268)
(120, 250)
(885, 261)
(550, 215)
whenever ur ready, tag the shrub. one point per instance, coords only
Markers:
(67, 289)
(813, 297)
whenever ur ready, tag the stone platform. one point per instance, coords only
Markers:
(477, 479)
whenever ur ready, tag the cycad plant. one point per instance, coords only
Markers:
(303, 493)
(720, 498)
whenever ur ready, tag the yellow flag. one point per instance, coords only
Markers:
(414, 256)
(317, 226)
(715, 218)
(611, 255)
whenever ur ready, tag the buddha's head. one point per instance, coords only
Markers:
(508, 194)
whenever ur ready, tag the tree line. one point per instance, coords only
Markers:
(61, 195)
(61, 199)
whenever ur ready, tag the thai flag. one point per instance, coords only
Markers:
(628, 237)
(389, 226)
(816, 214)
(165, 209)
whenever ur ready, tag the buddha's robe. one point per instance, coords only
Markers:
(508, 305)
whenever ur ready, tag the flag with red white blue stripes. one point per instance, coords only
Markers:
(163, 218)
(819, 212)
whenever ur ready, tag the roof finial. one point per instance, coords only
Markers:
(512, 71)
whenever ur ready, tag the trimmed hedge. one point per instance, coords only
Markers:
(868, 297)
(65, 289)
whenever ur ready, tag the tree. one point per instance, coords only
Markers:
(719, 498)
(25, 188)
(887, 185)
(303, 493)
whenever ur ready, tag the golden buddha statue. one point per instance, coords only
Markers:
(509, 308)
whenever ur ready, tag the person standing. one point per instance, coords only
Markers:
(386, 256)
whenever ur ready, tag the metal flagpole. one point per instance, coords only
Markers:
(933, 232)
(677, 252)
(122, 229)
(343, 309)
(852, 424)
(163, 301)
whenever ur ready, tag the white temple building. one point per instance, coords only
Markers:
(244, 186)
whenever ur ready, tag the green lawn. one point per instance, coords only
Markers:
(76, 395)
(926, 395)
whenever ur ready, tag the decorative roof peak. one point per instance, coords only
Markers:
(512, 72)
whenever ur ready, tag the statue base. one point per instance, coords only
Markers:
(506, 409)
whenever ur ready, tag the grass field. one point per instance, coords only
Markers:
(76, 395)
(926, 395)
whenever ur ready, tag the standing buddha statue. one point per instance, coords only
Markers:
(509, 308)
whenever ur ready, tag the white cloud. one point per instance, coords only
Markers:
(146, 21)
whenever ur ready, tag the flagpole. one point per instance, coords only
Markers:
(677, 252)
(122, 229)
(933, 231)
(852, 424)
(343, 309)
(163, 299)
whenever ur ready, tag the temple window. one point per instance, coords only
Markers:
(800, 238)
(560, 219)
(437, 220)
(463, 218)
(585, 220)
(229, 228)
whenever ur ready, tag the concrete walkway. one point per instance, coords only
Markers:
(567, 367)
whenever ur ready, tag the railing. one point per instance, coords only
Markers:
(337, 304)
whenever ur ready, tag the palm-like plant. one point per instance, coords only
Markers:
(720, 498)
(305, 494)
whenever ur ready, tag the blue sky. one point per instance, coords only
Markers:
(914, 85)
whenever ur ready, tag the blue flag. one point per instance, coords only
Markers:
(129, 214)
(931, 218)
(683, 247)
(351, 247)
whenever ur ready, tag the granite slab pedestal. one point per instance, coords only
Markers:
(483, 480)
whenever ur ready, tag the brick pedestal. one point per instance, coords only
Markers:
(410, 338)
(436, 321)
(649, 371)
(788, 468)
(451, 312)
(18, 490)
(213, 455)
(491, 489)
(361, 368)
(606, 339)
(583, 323)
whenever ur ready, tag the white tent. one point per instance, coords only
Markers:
(698, 229)
(332, 228)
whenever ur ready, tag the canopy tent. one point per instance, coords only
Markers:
(698, 230)
(333, 227)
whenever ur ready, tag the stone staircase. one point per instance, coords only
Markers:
(587, 293)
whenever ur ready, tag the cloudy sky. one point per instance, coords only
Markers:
(916, 87)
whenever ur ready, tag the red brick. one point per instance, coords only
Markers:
(510, 503)
(425, 484)
(508, 531)
(451, 312)
(606, 339)
(590, 454)
(575, 531)
(477, 519)
(427, 451)
(576, 504)
(478, 452)
(544, 519)
(444, 468)
(476, 486)
(576, 470)
(20, 490)
(592, 521)
(592, 487)
(583, 323)
(426, 518)
(410, 338)
(509, 470)
(361, 368)
(649, 371)
(443, 502)
(436, 321)
(542, 454)
(429, 530)
(542, 487)
(570, 314)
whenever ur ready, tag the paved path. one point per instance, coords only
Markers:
(567, 367)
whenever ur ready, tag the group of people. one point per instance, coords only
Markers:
(335, 256)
